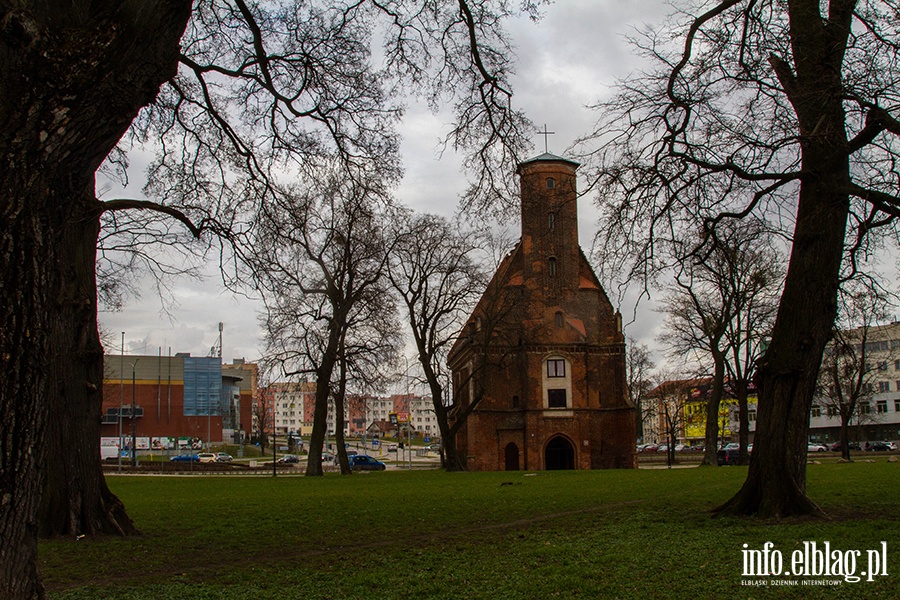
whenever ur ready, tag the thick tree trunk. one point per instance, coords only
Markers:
(76, 499)
(26, 259)
(323, 389)
(776, 481)
(340, 442)
(713, 403)
(845, 436)
(74, 78)
(450, 459)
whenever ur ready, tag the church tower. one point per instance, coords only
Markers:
(541, 363)
(550, 222)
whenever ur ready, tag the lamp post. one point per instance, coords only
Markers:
(133, 420)
(121, 398)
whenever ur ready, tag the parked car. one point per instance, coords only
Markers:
(392, 448)
(206, 457)
(680, 447)
(816, 447)
(731, 446)
(727, 456)
(326, 457)
(836, 447)
(649, 448)
(361, 462)
(185, 458)
(223, 457)
(880, 446)
(288, 459)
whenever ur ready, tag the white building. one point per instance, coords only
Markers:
(878, 413)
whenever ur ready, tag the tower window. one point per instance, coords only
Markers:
(551, 220)
(552, 263)
(551, 183)
(559, 319)
(515, 402)
(556, 367)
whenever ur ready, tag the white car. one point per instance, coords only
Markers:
(207, 457)
(816, 447)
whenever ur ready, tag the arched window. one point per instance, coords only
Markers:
(551, 183)
(551, 220)
(559, 318)
(552, 264)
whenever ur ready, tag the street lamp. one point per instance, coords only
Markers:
(133, 420)
(121, 398)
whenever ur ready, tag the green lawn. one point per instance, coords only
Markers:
(428, 534)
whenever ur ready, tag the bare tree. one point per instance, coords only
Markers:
(639, 367)
(438, 280)
(717, 308)
(670, 397)
(320, 261)
(781, 109)
(264, 415)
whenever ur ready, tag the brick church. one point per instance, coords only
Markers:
(540, 366)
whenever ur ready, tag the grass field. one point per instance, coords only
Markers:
(429, 534)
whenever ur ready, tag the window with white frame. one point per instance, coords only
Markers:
(557, 383)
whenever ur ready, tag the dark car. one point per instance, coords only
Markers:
(361, 462)
(185, 458)
(836, 447)
(289, 459)
(880, 446)
(728, 456)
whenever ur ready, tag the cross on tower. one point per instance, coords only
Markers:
(546, 133)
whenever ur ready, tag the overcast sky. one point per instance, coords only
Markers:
(568, 60)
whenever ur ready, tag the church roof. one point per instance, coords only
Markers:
(548, 157)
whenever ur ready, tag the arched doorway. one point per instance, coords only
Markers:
(512, 457)
(559, 455)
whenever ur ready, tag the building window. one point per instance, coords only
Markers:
(896, 405)
(551, 183)
(881, 407)
(831, 411)
(556, 398)
(515, 402)
(556, 367)
(559, 318)
(864, 408)
(551, 220)
(552, 262)
(816, 411)
(751, 415)
(884, 386)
